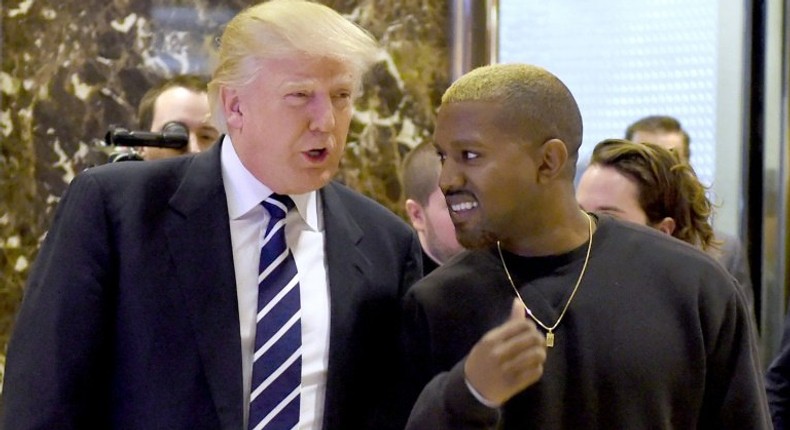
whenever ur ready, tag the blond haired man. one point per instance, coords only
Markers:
(557, 318)
(150, 304)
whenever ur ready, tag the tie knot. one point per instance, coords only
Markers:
(278, 205)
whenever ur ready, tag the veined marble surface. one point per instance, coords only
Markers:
(72, 68)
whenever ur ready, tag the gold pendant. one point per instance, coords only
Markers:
(550, 339)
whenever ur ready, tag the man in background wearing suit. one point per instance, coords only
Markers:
(667, 132)
(647, 184)
(143, 311)
(426, 207)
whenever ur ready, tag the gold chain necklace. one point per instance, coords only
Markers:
(550, 330)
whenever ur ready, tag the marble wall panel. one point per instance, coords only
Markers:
(72, 68)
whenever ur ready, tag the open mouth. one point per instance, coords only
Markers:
(461, 203)
(316, 154)
(463, 207)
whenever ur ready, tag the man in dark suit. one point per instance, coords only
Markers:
(143, 309)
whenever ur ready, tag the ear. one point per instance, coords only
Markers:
(416, 214)
(667, 225)
(231, 107)
(553, 156)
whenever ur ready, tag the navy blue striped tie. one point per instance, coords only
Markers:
(277, 362)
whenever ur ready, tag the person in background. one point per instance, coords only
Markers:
(236, 288)
(777, 382)
(668, 133)
(637, 329)
(426, 207)
(649, 185)
(184, 99)
(662, 130)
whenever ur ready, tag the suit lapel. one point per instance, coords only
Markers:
(347, 267)
(199, 240)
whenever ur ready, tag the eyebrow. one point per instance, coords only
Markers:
(296, 83)
(299, 82)
(464, 143)
(610, 208)
(206, 121)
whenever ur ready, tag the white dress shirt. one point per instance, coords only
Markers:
(304, 233)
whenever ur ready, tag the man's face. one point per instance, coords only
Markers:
(289, 125)
(438, 229)
(188, 107)
(604, 189)
(488, 178)
(672, 141)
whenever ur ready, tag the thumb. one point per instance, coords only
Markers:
(517, 310)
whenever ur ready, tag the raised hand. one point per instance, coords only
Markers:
(507, 359)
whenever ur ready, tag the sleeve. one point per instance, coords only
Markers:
(735, 394)
(447, 404)
(55, 368)
(777, 382)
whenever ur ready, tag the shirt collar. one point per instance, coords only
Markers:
(245, 192)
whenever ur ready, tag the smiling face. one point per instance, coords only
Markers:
(289, 125)
(489, 177)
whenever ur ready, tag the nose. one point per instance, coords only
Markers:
(193, 146)
(450, 177)
(322, 113)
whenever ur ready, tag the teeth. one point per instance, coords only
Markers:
(463, 206)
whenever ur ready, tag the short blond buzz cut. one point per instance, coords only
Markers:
(536, 103)
(279, 28)
(420, 173)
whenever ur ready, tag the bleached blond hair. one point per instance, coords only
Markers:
(280, 28)
(534, 101)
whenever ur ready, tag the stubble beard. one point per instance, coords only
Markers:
(475, 239)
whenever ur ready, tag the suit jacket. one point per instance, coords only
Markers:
(130, 316)
(732, 256)
(777, 382)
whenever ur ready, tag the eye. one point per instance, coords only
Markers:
(297, 98)
(442, 156)
(208, 133)
(342, 99)
(469, 155)
(298, 93)
(343, 95)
